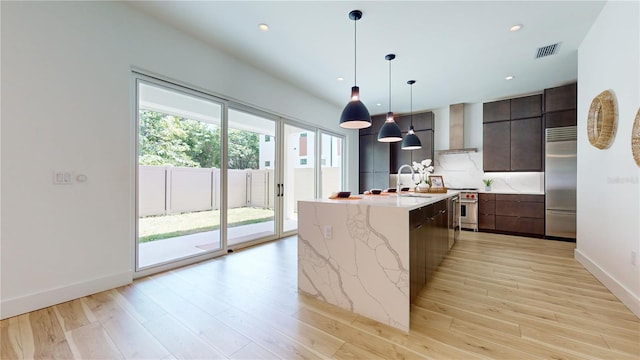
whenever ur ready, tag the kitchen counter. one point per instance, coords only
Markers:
(482, 191)
(354, 253)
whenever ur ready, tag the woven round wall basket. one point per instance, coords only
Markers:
(635, 139)
(602, 120)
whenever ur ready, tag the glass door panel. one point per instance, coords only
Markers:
(299, 177)
(331, 160)
(251, 195)
(178, 174)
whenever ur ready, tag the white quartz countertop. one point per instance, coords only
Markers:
(408, 200)
(511, 192)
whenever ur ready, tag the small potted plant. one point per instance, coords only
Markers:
(487, 184)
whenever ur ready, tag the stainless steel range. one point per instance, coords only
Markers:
(468, 208)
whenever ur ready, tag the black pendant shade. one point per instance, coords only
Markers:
(390, 131)
(411, 141)
(355, 115)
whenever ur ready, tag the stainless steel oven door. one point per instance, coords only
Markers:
(469, 214)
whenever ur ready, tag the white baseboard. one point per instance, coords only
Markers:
(31, 302)
(620, 291)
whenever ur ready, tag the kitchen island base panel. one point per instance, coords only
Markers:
(356, 256)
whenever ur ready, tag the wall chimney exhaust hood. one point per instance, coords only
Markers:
(456, 131)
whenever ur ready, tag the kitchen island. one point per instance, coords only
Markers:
(371, 255)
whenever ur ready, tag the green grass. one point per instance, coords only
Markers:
(154, 228)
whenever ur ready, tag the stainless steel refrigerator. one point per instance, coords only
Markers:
(560, 181)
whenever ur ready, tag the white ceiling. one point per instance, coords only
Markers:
(457, 51)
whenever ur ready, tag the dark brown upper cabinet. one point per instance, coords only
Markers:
(561, 98)
(526, 107)
(514, 143)
(496, 154)
(526, 144)
(378, 160)
(560, 104)
(496, 111)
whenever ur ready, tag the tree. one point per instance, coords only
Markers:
(162, 140)
(170, 140)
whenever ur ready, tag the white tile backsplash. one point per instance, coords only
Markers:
(465, 170)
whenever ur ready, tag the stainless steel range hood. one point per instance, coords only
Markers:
(456, 131)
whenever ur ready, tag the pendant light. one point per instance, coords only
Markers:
(355, 115)
(390, 131)
(411, 141)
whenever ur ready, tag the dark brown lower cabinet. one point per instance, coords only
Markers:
(519, 214)
(428, 244)
(486, 211)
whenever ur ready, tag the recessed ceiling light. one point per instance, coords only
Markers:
(378, 104)
(510, 77)
(515, 28)
(340, 78)
(263, 27)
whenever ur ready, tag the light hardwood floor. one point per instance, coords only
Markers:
(494, 296)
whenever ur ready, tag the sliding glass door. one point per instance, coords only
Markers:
(251, 189)
(213, 175)
(178, 173)
(298, 172)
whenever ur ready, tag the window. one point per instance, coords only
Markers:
(303, 161)
(267, 138)
(267, 163)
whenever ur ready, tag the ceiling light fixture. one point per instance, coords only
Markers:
(515, 28)
(390, 131)
(510, 77)
(355, 115)
(263, 27)
(411, 141)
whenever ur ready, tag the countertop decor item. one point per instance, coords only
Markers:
(602, 120)
(390, 131)
(424, 169)
(411, 140)
(436, 182)
(355, 115)
(635, 139)
(487, 184)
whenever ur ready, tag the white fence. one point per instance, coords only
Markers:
(170, 189)
(166, 190)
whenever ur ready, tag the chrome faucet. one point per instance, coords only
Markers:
(399, 182)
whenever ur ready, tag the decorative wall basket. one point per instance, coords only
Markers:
(635, 139)
(602, 120)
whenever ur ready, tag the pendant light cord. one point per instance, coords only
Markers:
(411, 105)
(355, 53)
(390, 85)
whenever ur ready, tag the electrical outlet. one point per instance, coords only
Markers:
(634, 255)
(327, 231)
(62, 178)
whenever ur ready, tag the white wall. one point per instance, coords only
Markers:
(608, 187)
(67, 100)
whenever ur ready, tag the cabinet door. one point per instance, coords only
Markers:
(561, 98)
(426, 138)
(526, 144)
(366, 181)
(497, 146)
(526, 107)
(496, 111)
(422, 121)
(380, 155)
(561, 119)
(366, 154)
(398, 156)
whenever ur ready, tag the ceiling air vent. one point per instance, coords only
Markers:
(547, 50)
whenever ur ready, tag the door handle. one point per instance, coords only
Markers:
(278, 193)
(282, 194)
